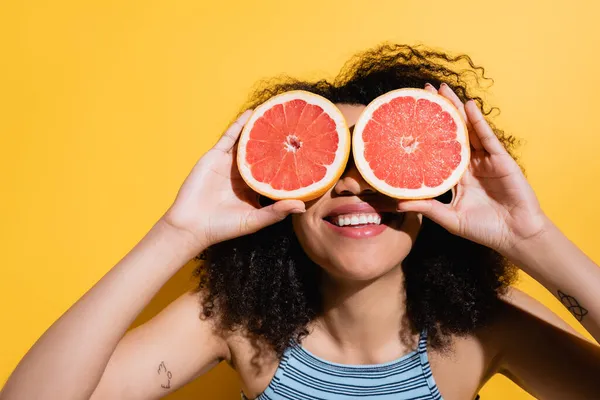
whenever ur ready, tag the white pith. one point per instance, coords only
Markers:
(357, 219)
(409, 148)
(288, 144)
(358, 146)
(334, 170)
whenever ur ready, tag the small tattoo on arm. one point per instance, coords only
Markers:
(162, 369)
(572, 305)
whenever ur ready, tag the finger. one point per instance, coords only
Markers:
(486, 135)
(430, 88)
(272, 214)
(448, 93)
(231, 135)
(436, 211)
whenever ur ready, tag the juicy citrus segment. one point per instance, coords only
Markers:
(410, 143)
(295, 145)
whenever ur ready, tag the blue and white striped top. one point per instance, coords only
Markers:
(304, 376)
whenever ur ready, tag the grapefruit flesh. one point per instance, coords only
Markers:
(411, 144)
(294, 146)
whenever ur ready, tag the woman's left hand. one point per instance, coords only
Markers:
(493, 205)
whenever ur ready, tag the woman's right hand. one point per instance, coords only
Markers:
(215, 204)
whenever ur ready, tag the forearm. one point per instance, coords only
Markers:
(558, 264)
(67, 362)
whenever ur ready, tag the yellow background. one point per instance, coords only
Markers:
(106, 105)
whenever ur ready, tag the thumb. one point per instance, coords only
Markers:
(273, 213)
(436, 211)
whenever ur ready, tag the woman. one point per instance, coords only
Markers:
(422, 310)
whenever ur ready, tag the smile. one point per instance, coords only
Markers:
(360, 219)
(362, 223)
(357, 219)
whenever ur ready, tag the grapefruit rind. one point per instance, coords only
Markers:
(425, 192)
(334, 170)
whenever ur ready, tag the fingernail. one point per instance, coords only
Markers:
(297, 211)
(428, 84)
(443, 84)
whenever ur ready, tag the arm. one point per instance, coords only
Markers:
(554, 261)
(85, 348)
(68, 361)
(542, 353)
(164, 354)
(539, 351)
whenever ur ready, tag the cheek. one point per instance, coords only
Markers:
(308, 234)
(412, 226)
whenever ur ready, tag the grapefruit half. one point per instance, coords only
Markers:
(411, 144)
(294, 146)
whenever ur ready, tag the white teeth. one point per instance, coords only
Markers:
(357, 219)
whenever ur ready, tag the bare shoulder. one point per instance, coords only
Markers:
(541, 352)
(254, 361)
(165, 353)
(462, 367)
(526, 342)
(193, 328)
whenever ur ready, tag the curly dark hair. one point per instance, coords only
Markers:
(267, 286)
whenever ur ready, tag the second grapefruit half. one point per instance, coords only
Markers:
(411, 144)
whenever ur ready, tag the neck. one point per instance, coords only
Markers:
(364, 315)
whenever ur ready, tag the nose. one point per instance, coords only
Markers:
(351, 183)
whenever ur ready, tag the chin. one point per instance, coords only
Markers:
(364, 263)
(361, 270)
(358, 259)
